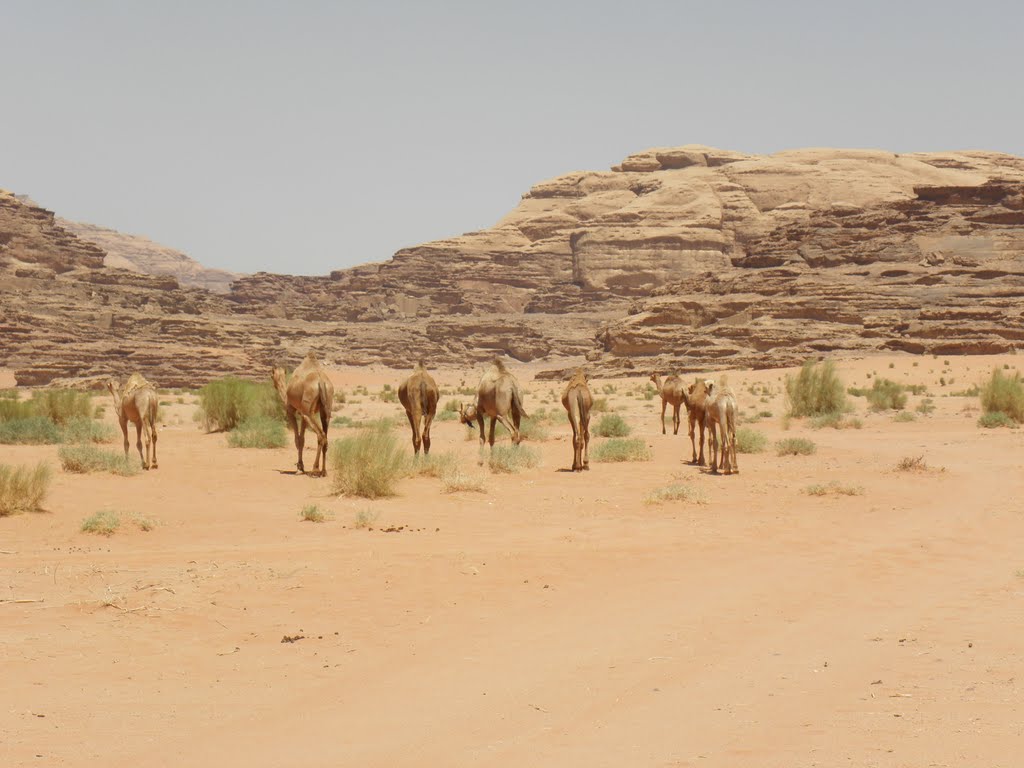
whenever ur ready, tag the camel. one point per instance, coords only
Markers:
(695, 397)
(577, 401)
(418, 395)
(720, 415)
(671, 391)
(308, 398)
(499, 397)
(137, 402)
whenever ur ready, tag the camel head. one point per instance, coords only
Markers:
(467, 414)
(280, 379)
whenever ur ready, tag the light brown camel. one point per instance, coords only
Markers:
(671, 391)
(308, 398)
(419, 395)
(695, 397)
(720, 415)
(499, 397)
(137, 402)
(578, 401)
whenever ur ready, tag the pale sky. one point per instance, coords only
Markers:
(303, 137)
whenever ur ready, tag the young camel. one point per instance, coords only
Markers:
(720, 414)
(695, 397)
(578, 401)
(671, 391)
(308, 398)
(137, 402)
(499, 397)
(418, 395)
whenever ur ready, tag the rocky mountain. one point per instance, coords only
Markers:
(687, 258)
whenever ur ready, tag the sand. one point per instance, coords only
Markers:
(554, 620)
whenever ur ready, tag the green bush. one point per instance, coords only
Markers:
(620, 449)
(925, 407)
(104, 523)
(886, 395)
(750, 440)
(995, 419)
(61, 405)
(226, 403)
(904, 416)
(33, 430)
(835, 421)
(81, 429)
(433, 465)
(795, 446)
(13, 410)
(1004, 394)
(612, 425)
(89, 458)
(368, 464)
(815, 391)
(676, 492)
(23, 488)
(259, 432)
(600, 405)
(312, 514)
(509, 459)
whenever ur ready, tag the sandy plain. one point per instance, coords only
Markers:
(554, 620)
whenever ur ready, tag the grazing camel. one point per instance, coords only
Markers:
(499, 397)
(418, 395)
(308, 398)
(577, 401)
(720, 415)
(137, 402)
(671, 391)
(695, 397)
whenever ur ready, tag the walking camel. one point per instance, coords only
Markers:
(137, 402)
(418, 395)
(720, 415)
(578, 401)
(695, 397)
(498, 397)
(671, 391)
(308, 398)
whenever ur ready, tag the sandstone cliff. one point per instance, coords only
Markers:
(685, 258)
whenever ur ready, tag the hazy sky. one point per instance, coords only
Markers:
(306, 136)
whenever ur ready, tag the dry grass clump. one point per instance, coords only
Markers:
(107, 522)
(88, 458)
(457, 480)
(904, 416)
(676, 492)
(834, 489)
(30, 430)
(795, 446)
(368, 464)
(1003, 394)
(620, 449)
(836, 421)
(61, 405)
(23, 488)
(312, 514)
(612, 425)
(750, 440)
(912, 464)
(886, 395)
(996, 419)
(509, 459)
(815, 391)
(82, 429)
(433, 465)
(226, 403)
(259, 432)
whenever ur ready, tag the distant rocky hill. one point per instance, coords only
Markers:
(686, 258)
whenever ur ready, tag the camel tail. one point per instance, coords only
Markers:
(325, 409)
(517, 403)
(424, 399)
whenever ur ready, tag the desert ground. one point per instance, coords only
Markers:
(556, 619)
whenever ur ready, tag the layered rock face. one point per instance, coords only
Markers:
(686, 258)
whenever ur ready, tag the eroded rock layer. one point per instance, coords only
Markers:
(687, 258)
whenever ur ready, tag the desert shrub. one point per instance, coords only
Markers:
(835, 421)
(795, 446)
(925, 407)
(676, 492)
(11, 410)
(995, 419)
(33, 430)
(531, 428)
(509, 459)
(342, 421)
(259, 432)
(312, 514)
(23, 488)
(916, 389)
(447, 416)
(388, 395)
(911, 464)
(750, 440)
(452, 406)
(85, 430)
(368, 464)
(904, 416)
(620, 449)
(886, 395)
(764, 414)
(9, 394)
(433, 465)
(89, 458)
(457, 480)
(1004, 394)
(815, 391)
(104, 523)
(226, 403)
(834, 489)
(612, 425)
(600, 405)
(61, 405)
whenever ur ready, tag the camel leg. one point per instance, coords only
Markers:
(701, 422)
(513, 429)
(664, 403)
(321, 446)
(480, 421)
(577, 440)
(427, 420)
(152, 461)
(415, 433)
(713, 448)
(675, 419)
(490, 435)
(586, 441)
(147, 433)
(300, 441)
(138, 442)
(124, 431)
(693, 442)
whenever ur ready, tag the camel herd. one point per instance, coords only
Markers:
(308, 397)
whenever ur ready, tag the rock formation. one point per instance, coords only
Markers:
(687, 258)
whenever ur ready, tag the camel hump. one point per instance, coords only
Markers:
(135, 382)
(578, 377)
(311, 356)
(497, 363)
(420, 366)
